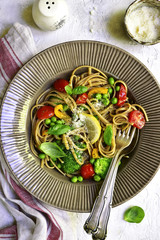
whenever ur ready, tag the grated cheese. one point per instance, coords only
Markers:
(98, 105)
(144, 23)
(78, 118)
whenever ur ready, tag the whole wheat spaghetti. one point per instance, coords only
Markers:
(91, 98)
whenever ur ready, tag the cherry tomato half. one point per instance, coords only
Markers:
(82, 98)
(87, 171)
(45, 112)
(60, 84)
(121, 95)
(137, 119)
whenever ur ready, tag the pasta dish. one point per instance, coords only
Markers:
(75, 122)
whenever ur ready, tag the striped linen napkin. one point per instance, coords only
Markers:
(22, 216)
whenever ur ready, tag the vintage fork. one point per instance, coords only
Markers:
(96, 223)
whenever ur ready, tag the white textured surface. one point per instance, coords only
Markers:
(99, 20)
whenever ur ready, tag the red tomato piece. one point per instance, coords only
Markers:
(137, 119)
(45, 112)
(82, 98)
(87, 171)
(121, 95)
(60, 84)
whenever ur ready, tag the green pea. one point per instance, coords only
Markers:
(118, 88)
(59, 122)
(106, 102)
(97, 178)
(80, 179)
(98, 96)
(53, 119)
(114, 100)
(47, 121)
(65, 107)
(92, 160)
(74, 179)
(110, 90)
(52, 124)
(111, 81)
(105, 96)
(41, 155)
(59, 165)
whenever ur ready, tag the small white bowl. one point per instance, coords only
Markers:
(49, 15)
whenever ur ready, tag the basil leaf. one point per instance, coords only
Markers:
(108, 134)
(79, 90)
(58, 129)
(68, 89)
(134, 214)
(52, 149)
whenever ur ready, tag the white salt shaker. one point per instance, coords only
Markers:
(50, 15)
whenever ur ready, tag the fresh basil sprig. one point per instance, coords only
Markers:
(58, 129)
(76, 91)
(52, 149)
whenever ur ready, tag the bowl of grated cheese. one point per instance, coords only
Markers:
(142, 21)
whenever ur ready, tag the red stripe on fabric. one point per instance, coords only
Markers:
(13, 238)
(9, 230)
(56, 223)
(8, 63)
(54, 233)
(24, 195)
(27, 199)
(3, 77)
(13, 50)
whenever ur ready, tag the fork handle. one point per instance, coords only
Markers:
(101, 231)
(97, 222)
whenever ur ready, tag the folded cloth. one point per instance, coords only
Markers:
(16, 48)
(22, 216)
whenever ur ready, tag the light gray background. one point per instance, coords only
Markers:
(100, 20)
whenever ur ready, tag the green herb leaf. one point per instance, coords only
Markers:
(52, 149)
(108, 134)
(68, 89)
(134, 214)
(79, 90)
(58, 129)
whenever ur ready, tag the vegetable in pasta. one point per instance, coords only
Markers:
(75, 122)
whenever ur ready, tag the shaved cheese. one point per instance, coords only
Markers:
(144, 23)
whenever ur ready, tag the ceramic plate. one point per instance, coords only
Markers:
(36, 76)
